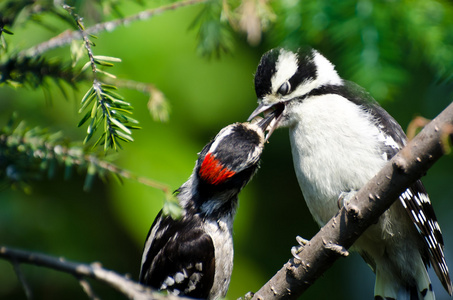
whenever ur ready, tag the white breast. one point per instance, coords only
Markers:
(221, 234)
(335, 149)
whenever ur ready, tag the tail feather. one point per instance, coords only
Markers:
(388, 287)
(385, 288)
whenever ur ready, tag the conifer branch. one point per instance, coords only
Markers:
(30, 154)
(157, 102)
(17, 71)
(107, 107)
(68, 36)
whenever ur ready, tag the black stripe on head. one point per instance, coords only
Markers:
(307, 70)
(266, 69)
(235, 149)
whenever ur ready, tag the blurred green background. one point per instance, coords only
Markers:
(401, 51)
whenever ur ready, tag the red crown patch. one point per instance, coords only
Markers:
(213, 171)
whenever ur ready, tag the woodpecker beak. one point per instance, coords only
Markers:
(261, 108)
(272, 116)
(263, 123)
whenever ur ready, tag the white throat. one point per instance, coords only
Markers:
(332, 141)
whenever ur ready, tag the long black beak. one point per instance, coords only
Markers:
(261, 108)
(271, 119)
(264, 122)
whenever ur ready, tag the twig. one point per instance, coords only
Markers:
(86, 287)
(364, 209)
(157, 103)
(129, 175)
(68, 36)
(76, 157)
(22, 280)
(120, 283)
(415, 125)
(84, 37)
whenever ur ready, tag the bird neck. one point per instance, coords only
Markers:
(207, 200)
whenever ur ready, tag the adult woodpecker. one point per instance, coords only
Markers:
(193, 255)
(340, 138)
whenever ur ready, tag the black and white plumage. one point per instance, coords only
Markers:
(193, 255)
(340, 138)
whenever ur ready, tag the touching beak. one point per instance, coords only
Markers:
(264, 122)
(272, 116)
(261, 108)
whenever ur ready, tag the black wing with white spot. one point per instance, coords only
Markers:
(180, 258)
(415, 199)
(416, 202)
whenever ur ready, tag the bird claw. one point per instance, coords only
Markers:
(302, 241)
(247, 296)
(337, 249)
(345, 198)
(295, 250)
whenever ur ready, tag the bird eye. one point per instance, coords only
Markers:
(284, 88)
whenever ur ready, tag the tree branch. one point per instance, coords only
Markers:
(68, 36)
(120, 283)
(364, 209)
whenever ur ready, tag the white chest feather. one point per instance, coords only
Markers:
(335, 149)
(221, 234)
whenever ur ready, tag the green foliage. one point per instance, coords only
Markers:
(29, 68)
(29, 154)
(389, 38)
(110, 109)
(28, 10)
(172, 208)
(219, 22)
(32, 72)
(214, 35)
(32, 154)
(12, 11)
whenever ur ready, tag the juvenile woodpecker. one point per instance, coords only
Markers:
(193, 255)
(340, 138)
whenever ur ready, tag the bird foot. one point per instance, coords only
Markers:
(295, 250)
(345, 198)
(337, 249)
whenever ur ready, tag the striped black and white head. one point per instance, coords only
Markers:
(283, 76)
(224, 166)
(235, 149)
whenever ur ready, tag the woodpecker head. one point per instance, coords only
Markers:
(232, 157)
(224, 166)
(283, 76)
